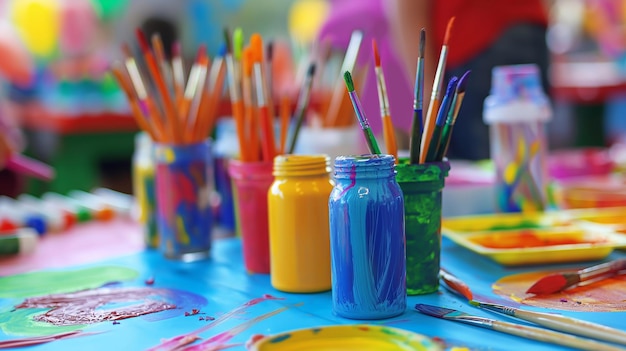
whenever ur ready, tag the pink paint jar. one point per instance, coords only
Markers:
(251, 182)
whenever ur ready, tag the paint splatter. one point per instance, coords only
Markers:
(38, 340)
(607, 295)
(220, 339)
(186, 339)
(193, 312)
(85, 307)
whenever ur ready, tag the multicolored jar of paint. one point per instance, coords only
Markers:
(183, 189)
(298, 223)
(366, 209)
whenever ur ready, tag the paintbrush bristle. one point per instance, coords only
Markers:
(376, 55)
(446, 38)
(455, 285)
(553, 283)
(439, 312)
(256, 46)
(247, 62)
(452, 85)
(221, 52)
(270, 50)
(422, 43)
(143, 42)
(462, 85)
(127, 51)
(237, 43)
(311, 71)
(201, 52)
(176, 49)
(347, 77)
(227, 41)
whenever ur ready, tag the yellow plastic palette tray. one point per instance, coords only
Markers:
(506, 221)
(528, 239)
(608, 216)
(361, 337)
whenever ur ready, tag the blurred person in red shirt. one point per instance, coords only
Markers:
(486, 33)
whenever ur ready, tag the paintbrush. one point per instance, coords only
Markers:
(559, 281)
(157, 78)
(520, 330)
(383, 101)
(265, 117)
(125, 84)
(178, 71)
(446, 103)
(349, 61)
(360, 114)
(301, 107)
(417, 128)
(236, 102)
(446, 133)
(145, 102)
(549, 320)
(433, 106)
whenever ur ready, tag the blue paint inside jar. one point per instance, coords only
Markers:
(368, 251)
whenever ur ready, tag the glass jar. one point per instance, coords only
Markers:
(517, 112)
(298, 223)
(366, 209)
(183, 189)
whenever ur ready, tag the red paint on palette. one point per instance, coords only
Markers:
(607, 295)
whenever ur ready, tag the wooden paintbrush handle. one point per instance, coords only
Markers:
(573, 326)
(552, 337)
(602, 269)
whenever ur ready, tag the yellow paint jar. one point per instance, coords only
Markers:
(298, 223)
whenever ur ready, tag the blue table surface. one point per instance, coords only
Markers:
(225, 284)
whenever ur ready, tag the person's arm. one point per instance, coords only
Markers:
(406, 19)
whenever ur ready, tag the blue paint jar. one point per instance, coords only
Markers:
(368, 254)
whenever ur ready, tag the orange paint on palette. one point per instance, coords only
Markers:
(607, 295)
(530, 238)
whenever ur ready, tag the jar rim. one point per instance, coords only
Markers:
(301, 165)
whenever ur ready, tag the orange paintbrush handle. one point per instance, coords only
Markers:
(141, 120)
(429, 126)
(253, 133)
(157, 121)
(170, 112)
(390, 137)
(268, 143)
(238, 115)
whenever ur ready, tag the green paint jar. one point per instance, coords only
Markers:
(421, 186)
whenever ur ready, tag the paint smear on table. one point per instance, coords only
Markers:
(68, 300)
(182, 340)
(602, 296)
(54, 313)
(63, 281)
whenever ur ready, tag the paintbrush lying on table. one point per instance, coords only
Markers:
(516, 329)
(549, 320)
(554, 283)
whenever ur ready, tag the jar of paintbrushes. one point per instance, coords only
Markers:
(517, 111)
